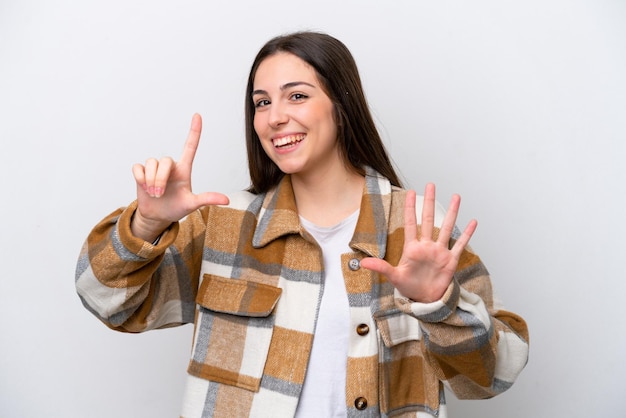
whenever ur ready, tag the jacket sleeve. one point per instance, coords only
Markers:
(475, 347)
(132, 285)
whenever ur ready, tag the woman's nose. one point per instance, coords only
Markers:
(278, 115)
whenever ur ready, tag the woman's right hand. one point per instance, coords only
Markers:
(164, 191)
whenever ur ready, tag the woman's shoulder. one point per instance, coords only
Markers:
(242, 199)
(240, 202)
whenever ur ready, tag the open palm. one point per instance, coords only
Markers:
(427, 264)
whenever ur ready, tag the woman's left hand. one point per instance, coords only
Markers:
(427, 265)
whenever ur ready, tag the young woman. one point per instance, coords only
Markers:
(315, 293)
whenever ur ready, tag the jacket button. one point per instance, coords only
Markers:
(354, 264)
(362, 329)
(360, 403)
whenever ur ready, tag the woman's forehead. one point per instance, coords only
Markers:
(282, 68)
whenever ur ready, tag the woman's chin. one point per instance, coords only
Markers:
(289, 167)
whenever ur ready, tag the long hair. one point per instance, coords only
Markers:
(359, 142)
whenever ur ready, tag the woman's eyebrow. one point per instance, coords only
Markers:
(295, 84)
(285, 86)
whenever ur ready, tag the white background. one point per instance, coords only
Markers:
(519, 106)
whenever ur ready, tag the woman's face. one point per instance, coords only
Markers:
(294, 116)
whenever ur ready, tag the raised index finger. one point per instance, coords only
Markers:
(193, 139)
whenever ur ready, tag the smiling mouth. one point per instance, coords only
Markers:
(287, 141)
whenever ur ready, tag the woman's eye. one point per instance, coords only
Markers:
(261, 103)
(298, 96)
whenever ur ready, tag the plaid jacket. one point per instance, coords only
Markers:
(250, 278)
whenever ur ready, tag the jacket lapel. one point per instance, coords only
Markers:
(278, 215)
(371, 230)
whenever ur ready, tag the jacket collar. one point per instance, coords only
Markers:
(279, 216)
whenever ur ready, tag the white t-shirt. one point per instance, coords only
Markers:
(324, 391)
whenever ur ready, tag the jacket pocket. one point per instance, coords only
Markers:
(397, 327)
(406, 382)
(233, 330)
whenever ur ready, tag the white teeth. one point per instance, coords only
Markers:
(288, 140)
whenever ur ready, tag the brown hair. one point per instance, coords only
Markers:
(358, 139)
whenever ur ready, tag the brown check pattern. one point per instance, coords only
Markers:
(250, 279)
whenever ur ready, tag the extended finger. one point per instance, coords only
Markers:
(377, 265)
(428, 212)
(410, 218)
(464, 239)
(449, 220)
(193, 139)
(211, 198)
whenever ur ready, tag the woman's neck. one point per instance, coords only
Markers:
(326, 199)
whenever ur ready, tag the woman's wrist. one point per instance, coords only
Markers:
(147, 229)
